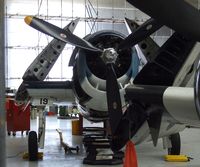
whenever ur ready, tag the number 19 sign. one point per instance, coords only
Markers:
(43, 101)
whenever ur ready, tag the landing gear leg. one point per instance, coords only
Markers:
(33, 141)
(173, 144)
(41, 129)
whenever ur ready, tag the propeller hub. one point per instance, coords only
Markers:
(109, 55)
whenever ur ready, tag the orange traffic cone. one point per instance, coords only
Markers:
(130, 159)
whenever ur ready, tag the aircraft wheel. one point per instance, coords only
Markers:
(32, 146)
(176, 144)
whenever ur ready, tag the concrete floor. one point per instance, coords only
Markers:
(54, 155)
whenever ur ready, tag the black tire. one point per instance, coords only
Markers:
(176, 144)
(9, 133)
(32, 146)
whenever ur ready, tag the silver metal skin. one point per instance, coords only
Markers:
(2, 88)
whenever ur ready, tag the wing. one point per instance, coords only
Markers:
(45, 92)
(43, 63)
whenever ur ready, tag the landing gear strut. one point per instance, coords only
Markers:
(35, 141)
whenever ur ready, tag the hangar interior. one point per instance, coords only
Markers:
(23, 41)
(23, 44)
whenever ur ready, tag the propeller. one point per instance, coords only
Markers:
(181, 21)
(176, 14)
(58, 33)
(108, 55)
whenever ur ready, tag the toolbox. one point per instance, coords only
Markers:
(18, 117)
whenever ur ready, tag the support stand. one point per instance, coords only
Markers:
(66, 147)
(96, 143)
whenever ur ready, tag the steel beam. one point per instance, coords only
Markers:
(2, 87)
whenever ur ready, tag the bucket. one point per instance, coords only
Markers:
(76, 127)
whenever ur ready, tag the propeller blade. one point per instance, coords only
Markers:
(141, 33)
(58, 33)
(113, 98)
(185, 20)
(154, 122)
(75, 51)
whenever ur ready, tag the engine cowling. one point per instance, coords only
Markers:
(89, 74)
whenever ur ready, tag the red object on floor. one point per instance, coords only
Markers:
(130, 159)
(18, 116)
(51, 113)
